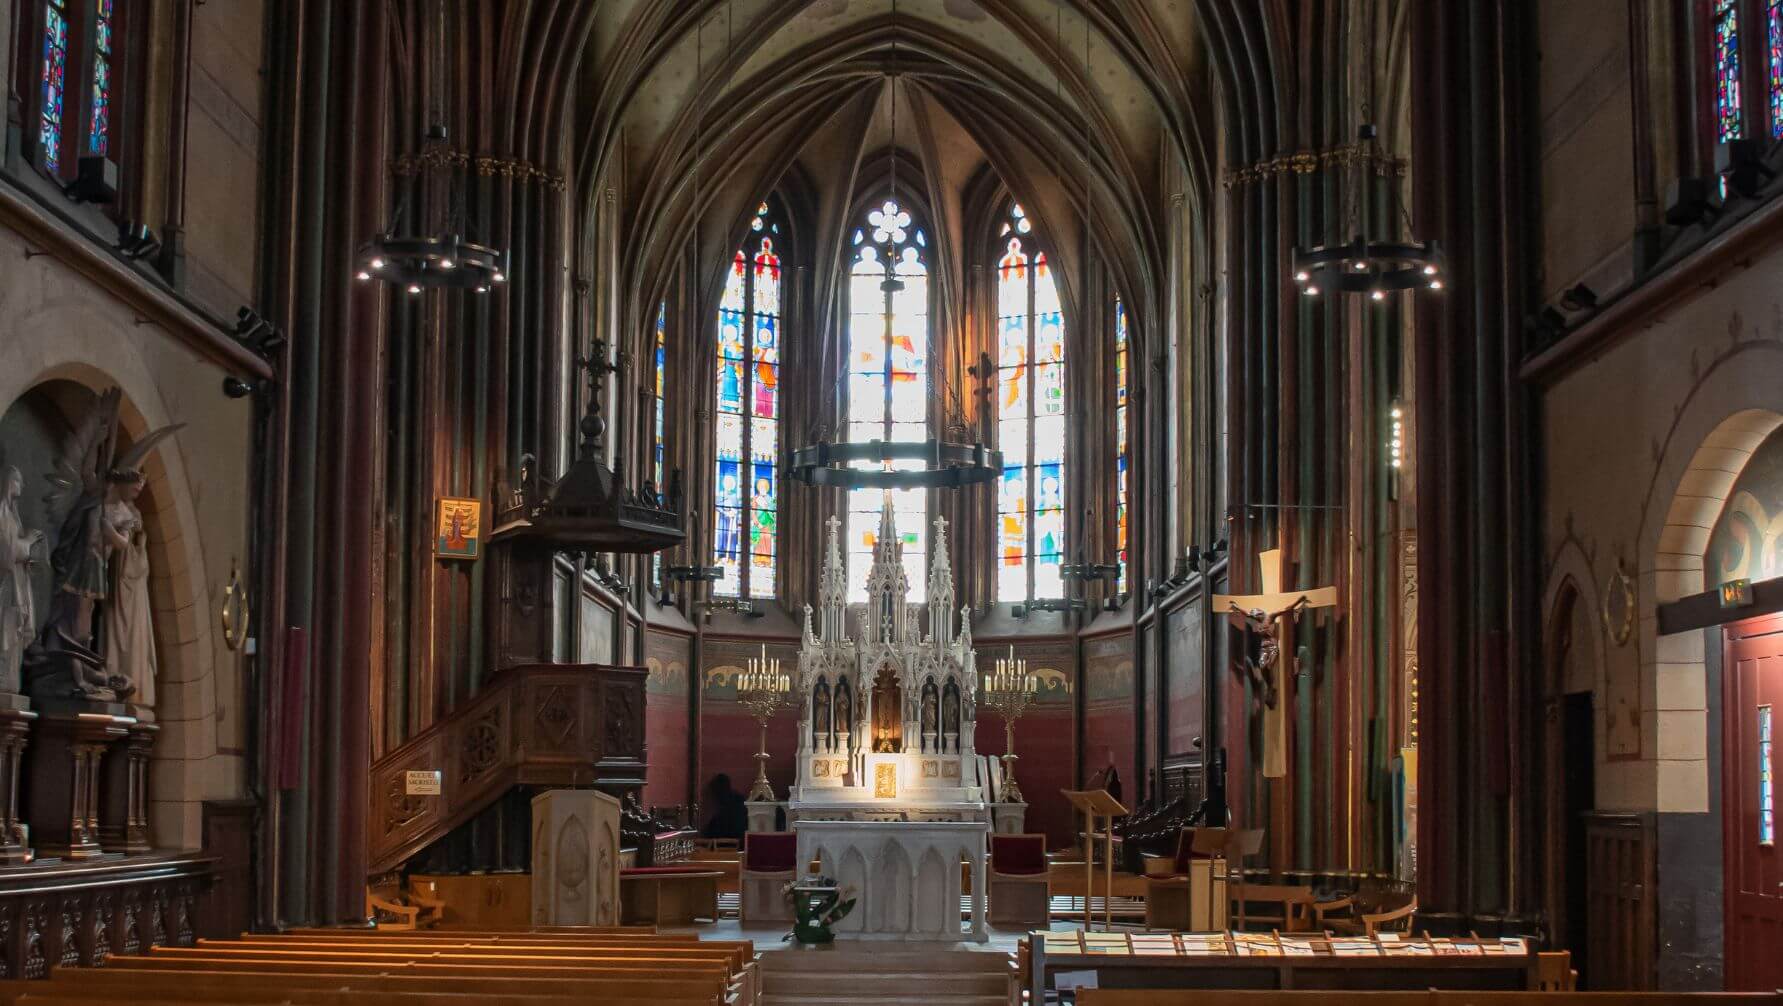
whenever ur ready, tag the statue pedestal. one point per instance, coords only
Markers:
(761, 814)
(15, 727)
(124, 792)
(1008, 818)
(65, 776)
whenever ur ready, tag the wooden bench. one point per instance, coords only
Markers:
(1223, 997)
(668, 895)
(545, 968)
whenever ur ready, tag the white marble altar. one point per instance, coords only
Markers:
(905, 873)
(887, 718)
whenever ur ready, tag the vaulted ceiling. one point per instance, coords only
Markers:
(691, 112)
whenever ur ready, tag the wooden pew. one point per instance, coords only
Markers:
(1223, 997)
(352, 967)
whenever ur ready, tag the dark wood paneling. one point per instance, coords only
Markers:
(1621, 887)
(227, 909)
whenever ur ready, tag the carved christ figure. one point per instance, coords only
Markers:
(1267, 626)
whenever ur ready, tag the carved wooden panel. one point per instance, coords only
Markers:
(567, 724)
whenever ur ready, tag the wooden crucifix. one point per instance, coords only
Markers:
(1264, 615)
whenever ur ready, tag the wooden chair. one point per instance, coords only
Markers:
(1554, 971)
(770, 862)
(387, 912)
(1351, 915)
(1296, 903)
(1020, 890)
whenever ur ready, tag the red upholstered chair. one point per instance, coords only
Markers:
(770, 861)
(1020, 892)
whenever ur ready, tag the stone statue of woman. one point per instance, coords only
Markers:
(18, 617)
(129, 632)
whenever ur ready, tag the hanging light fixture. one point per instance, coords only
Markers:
(416, 261)
(864, 465)
(1368, 264)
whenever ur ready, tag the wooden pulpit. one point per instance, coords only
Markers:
(1094, 804)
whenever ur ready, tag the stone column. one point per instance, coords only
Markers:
(65, 769)
(15, 727)
(124, 792)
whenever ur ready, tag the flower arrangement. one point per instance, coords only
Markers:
(817, 903)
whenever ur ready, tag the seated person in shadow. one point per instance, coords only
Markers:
(730, 815)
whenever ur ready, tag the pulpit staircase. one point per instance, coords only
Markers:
(885, 975)
(539, 725)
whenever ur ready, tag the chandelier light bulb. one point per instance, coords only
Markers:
(363, 275)
(1312, 291)
(1436, 284)
(1378, 295)
(1430, 270)
(446, 263)
(1302, 276)
(414, 288)
(377, 263)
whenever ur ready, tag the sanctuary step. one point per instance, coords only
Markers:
(844, 975)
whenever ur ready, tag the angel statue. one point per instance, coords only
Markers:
(92, 491)
(18, 552)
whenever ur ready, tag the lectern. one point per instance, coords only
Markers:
(1093, 804)
(575, 858)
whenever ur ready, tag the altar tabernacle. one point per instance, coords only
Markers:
(885, 746)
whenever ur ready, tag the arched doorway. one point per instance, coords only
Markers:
(1709, 690)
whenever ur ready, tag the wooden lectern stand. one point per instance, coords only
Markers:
(1092, 804)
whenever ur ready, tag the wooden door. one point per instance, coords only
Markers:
(1753, 674)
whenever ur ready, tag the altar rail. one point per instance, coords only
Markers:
(63, 915)
(538, 725)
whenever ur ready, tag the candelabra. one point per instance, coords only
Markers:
(762, 690)
(1009, 689)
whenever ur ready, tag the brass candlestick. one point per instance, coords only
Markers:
(762, 690)
(1009, 689)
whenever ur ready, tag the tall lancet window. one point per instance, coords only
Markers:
(888, 381)
(746, 489)
(79, 56)
(1123, 452)
(659, 364)
(1030, 416)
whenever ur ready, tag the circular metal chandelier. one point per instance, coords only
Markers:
(417, 262)
(1365, 264)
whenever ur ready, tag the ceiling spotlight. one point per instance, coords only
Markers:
(1740, 163)
(136, 241)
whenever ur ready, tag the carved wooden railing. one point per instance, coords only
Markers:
(536, 725)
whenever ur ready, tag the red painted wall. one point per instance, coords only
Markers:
(729, 736)
(1110, 730)
(667, 719)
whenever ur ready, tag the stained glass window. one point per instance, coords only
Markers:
(747, 488)
(1727, 70)
(1030, 417)
(55, 83)
(887, 389)
(1773, 43)
(660, 364)
(1123, 453)
(104, 27)
(1767, 780)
